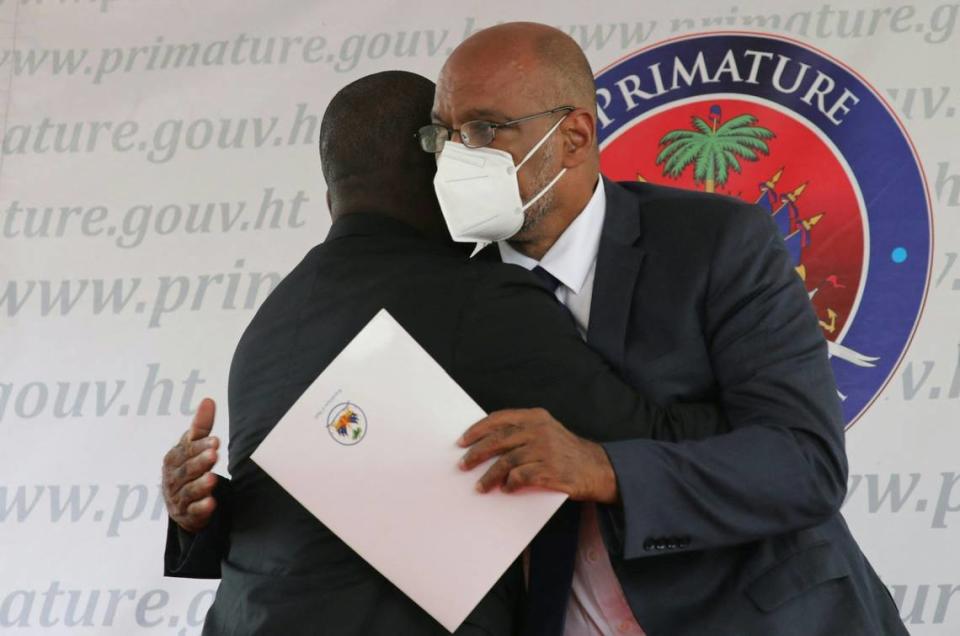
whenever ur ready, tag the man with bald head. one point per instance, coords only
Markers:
(518, 66)
(692, 297)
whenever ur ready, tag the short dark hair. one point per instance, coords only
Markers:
(370, 124)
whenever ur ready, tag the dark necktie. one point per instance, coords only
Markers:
(552, 558)
(547, 279)
(553, 550)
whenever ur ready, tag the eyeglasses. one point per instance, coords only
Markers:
(473, 134)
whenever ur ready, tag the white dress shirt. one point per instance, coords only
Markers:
(597, 605)
(572, 260)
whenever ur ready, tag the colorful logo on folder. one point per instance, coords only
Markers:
(347, 424)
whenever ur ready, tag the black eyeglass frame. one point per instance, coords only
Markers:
(423, 134)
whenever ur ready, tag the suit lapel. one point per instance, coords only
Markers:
(618, 265)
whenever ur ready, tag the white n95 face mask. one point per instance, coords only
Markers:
(479, 193)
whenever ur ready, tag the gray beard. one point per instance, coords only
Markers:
(536, 212)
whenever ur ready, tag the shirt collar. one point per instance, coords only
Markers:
(569, 259)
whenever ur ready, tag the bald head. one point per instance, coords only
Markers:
(516, 70)
(545, 63)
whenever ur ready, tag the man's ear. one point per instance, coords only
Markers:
(579, 132)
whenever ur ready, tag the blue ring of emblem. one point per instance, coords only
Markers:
(883, 162)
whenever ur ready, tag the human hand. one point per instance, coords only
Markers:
(187, 480)
(535, 449)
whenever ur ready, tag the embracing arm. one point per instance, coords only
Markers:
(518, 349)
(783, 465)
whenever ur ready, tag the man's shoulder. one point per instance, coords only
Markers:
(364, 274)
(678, 206)
(492, 284)
(687, 218)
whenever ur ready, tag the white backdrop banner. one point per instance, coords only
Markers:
(159, 175)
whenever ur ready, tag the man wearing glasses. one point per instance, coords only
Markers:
(691, 297)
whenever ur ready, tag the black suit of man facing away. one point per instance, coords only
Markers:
(494, 328)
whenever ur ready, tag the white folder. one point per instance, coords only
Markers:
(370, 449)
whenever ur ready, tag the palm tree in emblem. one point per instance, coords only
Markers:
(713, 148)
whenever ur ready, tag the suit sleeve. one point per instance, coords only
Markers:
(782, 467)
(517, 347)
(198, 556)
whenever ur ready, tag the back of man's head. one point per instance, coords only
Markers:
(369, 154)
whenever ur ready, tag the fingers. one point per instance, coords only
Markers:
(527, 476)
(196, 491)
(532, 447)
(496, 442)
(202, 420)
(193, 468)
(501, 419)
(192, 506)
(184, 451)
(496, 475)
(201, 510)
(187, 481)
(484, 427)
(197, 515)
(511, 474)
(176, 475)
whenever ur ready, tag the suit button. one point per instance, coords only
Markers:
(672, 543)
(648, 545)
(660, 544)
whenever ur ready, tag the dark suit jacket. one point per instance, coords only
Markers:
(500, 335)
(740, 534)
